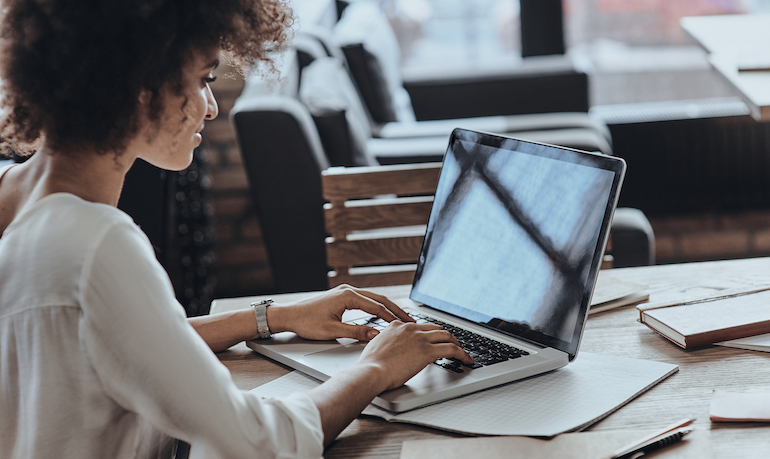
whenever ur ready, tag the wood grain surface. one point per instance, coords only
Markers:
(377, 213)
(616, 332)
(376, 217)
(344, 183)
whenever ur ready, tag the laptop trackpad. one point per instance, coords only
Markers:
(332, 361)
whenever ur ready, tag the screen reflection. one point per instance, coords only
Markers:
(512, 236)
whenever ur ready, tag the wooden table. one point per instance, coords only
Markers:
(686, 393)
(736, 41)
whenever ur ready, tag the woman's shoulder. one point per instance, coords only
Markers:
(72, 211)
(54, 241)
(64, 222)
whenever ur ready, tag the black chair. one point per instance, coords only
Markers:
(287, 138)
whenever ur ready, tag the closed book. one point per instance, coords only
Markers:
(628, 300)
(611, 293)
(706, 320)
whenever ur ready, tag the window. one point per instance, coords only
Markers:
(635, 50)
(643, 22)
(458, 33)
(638, 52)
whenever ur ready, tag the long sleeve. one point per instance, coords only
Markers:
(152, 362)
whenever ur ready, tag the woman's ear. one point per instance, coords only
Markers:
(145, 96)
(142, 116)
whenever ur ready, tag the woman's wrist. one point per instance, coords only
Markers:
(278, 319)
(375, 374)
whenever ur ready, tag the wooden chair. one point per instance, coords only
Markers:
(608, 261)
(376, 218)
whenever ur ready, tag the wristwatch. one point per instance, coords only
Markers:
(260, 309)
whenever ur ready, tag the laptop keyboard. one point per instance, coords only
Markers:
(485, 351)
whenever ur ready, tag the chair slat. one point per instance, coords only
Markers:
(373, 280)
(374, 236)
(340, 184)
(342, 220)
(607, 262)
(366, 252)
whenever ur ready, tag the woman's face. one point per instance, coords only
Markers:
(183, 115)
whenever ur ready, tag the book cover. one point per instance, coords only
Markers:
(703, 321)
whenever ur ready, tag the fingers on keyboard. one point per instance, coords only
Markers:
(485, 351)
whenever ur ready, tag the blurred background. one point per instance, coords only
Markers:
(635, 50)
(671, 116)
(698, 163)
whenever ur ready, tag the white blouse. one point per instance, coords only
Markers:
(97, 359)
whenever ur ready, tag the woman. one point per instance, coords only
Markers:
(96, 357)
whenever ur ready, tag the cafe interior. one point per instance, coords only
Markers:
(387, 85)
(679, 90)
(642, 88)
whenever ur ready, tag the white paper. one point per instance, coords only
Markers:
(564, 400)
(608, 288)
(753, 343)
(740, 406)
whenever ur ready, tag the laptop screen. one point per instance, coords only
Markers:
(515, 236)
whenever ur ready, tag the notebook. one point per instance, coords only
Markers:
(511, 254)
(693, 322)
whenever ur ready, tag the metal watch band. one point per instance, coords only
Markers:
(260, 309)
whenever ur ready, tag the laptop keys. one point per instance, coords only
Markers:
(373, 321)
(485, 351)
(450, 364)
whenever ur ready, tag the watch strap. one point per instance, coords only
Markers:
(260, 310)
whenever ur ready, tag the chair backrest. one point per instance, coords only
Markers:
(283, 158)
(373, 57)
(284, 154)
(376, 217)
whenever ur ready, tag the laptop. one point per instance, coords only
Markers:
(511, 254)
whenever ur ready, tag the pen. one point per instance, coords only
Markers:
(654, 444)
(652, 437)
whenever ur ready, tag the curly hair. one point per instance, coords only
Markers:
(72, 70)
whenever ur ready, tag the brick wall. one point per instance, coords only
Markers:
(241, 260)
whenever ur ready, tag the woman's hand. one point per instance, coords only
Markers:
(320, 317)
(387, 362)
(402, 350)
